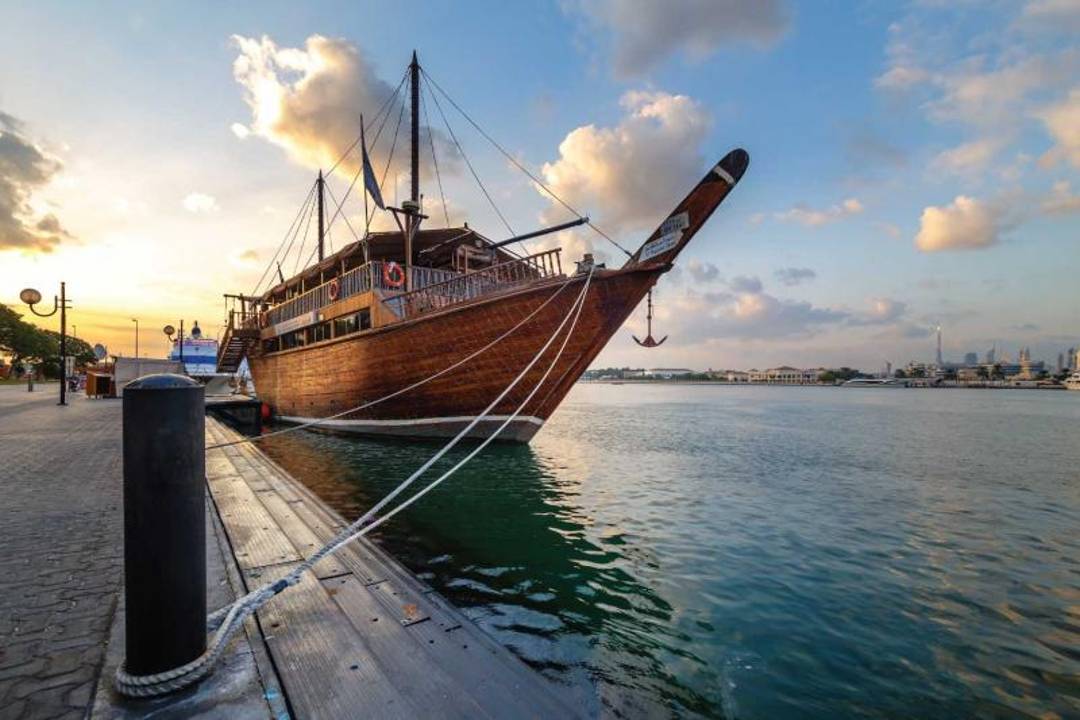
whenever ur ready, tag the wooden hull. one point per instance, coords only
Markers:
(327, 378)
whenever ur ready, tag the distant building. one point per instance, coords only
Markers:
(734, 376)
(1061, 362)
(990, 355)
(785, 375)
(968, 374)
(971, 359)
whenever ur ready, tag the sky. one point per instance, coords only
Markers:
(912, 164)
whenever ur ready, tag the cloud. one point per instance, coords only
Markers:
(1061, 200)
(628, 177)
(1062, 121)
(901, 77)
(891, 230)
(813, 218)
(240, 130)
(965, 224)
(883, 311)
(248, 255)
(1059, 15)
(746, 316)
(914, 331)
(792, 276)
(703, 272)
(866, 147)
(966, 159)
(994, 83)
(994, 97)
(744, 284)
(200, 204)
(309, 101)
(646, 32)
(25, 168)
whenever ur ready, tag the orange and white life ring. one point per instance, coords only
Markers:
(335, 289)
(393, 275)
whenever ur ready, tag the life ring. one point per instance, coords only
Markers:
(335, 289)
(393, 275)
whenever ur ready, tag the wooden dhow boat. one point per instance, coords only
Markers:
(392, 309)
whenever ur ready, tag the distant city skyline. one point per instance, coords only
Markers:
(924, 171)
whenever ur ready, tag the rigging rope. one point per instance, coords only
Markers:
(517, 164)
(288, 232)
(307, 228)
(434, 160)
(343, 216)
(393, 145)
(228, 619)
(385, 106)
(468, 163)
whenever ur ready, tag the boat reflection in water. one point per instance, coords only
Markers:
(507, 542)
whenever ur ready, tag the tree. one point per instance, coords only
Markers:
(19, 339)
(900, 374)
(26, 342)
(982, 372)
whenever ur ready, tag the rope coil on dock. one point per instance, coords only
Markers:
(226, 620)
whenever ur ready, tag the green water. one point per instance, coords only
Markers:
(760, 552)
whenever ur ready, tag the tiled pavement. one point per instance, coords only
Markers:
(61, 548)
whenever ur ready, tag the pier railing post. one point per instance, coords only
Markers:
(164, 522)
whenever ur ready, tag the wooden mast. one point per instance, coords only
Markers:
(322, 215)
(413, 216)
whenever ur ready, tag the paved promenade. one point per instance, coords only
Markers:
(61, 548)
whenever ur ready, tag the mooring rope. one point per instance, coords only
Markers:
(225, 621)
(402, 391)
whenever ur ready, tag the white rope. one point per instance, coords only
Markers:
(402, 391)
(232, 616)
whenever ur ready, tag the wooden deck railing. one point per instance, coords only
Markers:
(477, 283)
(355, 281)
(432, 287)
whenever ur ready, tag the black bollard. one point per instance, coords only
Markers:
(164, 522)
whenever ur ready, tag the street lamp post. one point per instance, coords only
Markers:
(169, 330)
(136, 321)
(32, 297)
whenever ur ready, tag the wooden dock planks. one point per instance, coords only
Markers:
(360, 636)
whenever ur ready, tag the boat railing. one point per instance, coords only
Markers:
(477, 283)
(358, 280)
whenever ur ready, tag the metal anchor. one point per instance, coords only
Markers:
(649, 342)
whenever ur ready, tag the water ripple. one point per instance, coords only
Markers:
(759, 552)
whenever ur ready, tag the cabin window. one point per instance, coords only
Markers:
(351, 323)
(344, 325)
(319, 332)
(293, 339)
(270, 345)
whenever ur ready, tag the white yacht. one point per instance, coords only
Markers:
(876, 382)
(199, 356)
(1073, 381)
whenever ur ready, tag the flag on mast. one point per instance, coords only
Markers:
(370, 183)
